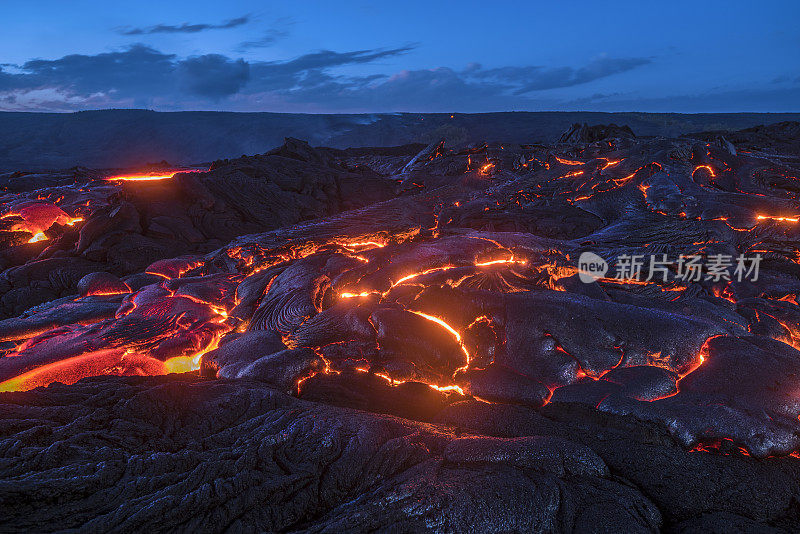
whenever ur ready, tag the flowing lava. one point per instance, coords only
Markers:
(708, 168)
(148, 177)
(37, 217)
(447, 327)
(473, 293)
(412, 276)
(564, 161)
(776, 218)
(141, 177)
(71, 370)
(38, 236)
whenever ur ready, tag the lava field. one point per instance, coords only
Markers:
(407, 339)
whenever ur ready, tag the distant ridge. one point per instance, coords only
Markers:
(125, 138)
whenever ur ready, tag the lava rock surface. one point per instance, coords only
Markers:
(404, 339)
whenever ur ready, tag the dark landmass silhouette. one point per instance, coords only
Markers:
(127, 138)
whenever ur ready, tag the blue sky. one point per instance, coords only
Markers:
(358, 56)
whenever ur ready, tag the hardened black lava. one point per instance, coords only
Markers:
(407, 338)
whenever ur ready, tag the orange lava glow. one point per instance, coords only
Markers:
(709, 168)
(776, 218)
(123, 361)
(106, 293)
(393, 382)
(70, 370)
(364, 244)
(354, 295)
(141, 177)
(105, 362)
(568, 161)
(406, 278)
(38, 236)
(421, 273)
(148, 177)
(38, 216)
(496, 262)
(716, 445)
(434, 319)
(41, 236)
(611, 163)
(182, 364)
(447, 327)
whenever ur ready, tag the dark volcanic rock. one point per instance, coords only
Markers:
(781, 137)
(409, 339)
(210, 456)
(284, 464)
(583, 133)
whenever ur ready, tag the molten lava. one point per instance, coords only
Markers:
(148, 177)
(447, 327)
(70, 370)
(37, 217)
(777, 218)
(38, 236)
(564, 161)
(141, 177)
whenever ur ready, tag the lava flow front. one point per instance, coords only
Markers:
(462, 280)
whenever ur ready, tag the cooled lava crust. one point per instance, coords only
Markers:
(399, 339)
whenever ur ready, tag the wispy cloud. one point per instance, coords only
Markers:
(143, 76)
(137, 74)
(537, 78)
(269, 38)
(186, 27)
(280, 30)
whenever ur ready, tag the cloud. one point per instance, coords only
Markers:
(138, 74)
(326, 59)
(470, 89)
(535, 78)
(408, 90)
(186, 27)
(142, 76)
(269, 37)
(137, 70)
(213, 75)
(310, 70)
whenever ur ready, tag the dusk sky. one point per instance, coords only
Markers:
(421, 56)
